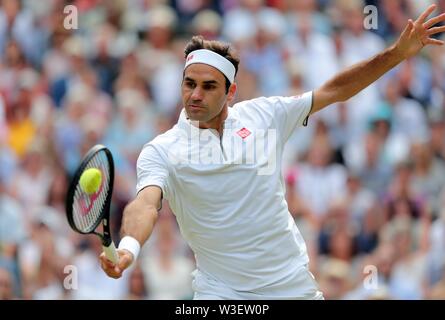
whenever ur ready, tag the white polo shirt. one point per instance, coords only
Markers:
(228, 194)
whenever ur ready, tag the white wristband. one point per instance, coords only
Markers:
(130, 244)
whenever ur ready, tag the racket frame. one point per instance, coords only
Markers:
(105, 213)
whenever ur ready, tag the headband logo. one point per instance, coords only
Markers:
(190, 57)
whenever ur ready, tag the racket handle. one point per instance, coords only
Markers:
(111, 253)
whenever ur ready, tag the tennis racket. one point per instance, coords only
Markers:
(84, 211)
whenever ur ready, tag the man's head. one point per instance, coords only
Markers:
(208, 80)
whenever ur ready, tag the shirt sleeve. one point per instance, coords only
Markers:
(292, 112)
(286, 113)
(152, 170)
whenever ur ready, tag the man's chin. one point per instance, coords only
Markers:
(196, 115)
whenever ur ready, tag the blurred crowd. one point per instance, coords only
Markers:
(365, 180)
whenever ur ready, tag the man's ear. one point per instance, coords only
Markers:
(231, 93)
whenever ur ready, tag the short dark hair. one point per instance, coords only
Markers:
(221, 48)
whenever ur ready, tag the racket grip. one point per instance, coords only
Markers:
(111, 253)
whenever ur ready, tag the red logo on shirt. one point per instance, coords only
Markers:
(243, 133)
(190, 57)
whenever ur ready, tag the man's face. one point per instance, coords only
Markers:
(203, 92)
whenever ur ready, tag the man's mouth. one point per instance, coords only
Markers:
(194, 106)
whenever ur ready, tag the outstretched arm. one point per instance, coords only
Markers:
(141, 214)
(138, 221)
(417, 34)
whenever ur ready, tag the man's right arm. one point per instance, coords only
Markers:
(141, 214)
(138, 221)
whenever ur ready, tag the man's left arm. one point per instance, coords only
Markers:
(348, 83)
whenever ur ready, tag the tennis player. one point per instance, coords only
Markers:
(219, 168)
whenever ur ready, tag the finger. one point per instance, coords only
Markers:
(426, 13)
(105, 267)
(104, 260)
(117, 270)
(434, 21)
(434, 42)
(435, 30)
(113, 272)
(409, 27)
(124, 261)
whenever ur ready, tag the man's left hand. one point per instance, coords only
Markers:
(417, 34)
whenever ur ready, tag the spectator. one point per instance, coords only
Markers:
(167, 274)
(428, 179)
(6, 287)
(137, 289)
(110, 81)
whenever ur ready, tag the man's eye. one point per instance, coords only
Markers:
(190, 84)
(209, 87)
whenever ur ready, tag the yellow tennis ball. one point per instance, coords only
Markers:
(90, 180)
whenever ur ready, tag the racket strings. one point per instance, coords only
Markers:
(87, 209)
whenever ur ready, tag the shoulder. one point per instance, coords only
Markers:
(273, 101)
(165, 140)
(256, 102)
(269, 106)
(258, 105)
(161, 144)
(259, 111)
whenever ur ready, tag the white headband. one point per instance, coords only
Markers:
(212, 59)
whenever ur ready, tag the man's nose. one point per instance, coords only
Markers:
(197, 94)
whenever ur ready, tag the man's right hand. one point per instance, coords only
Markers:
(115, 270)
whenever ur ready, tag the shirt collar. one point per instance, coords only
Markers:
(185, 123)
